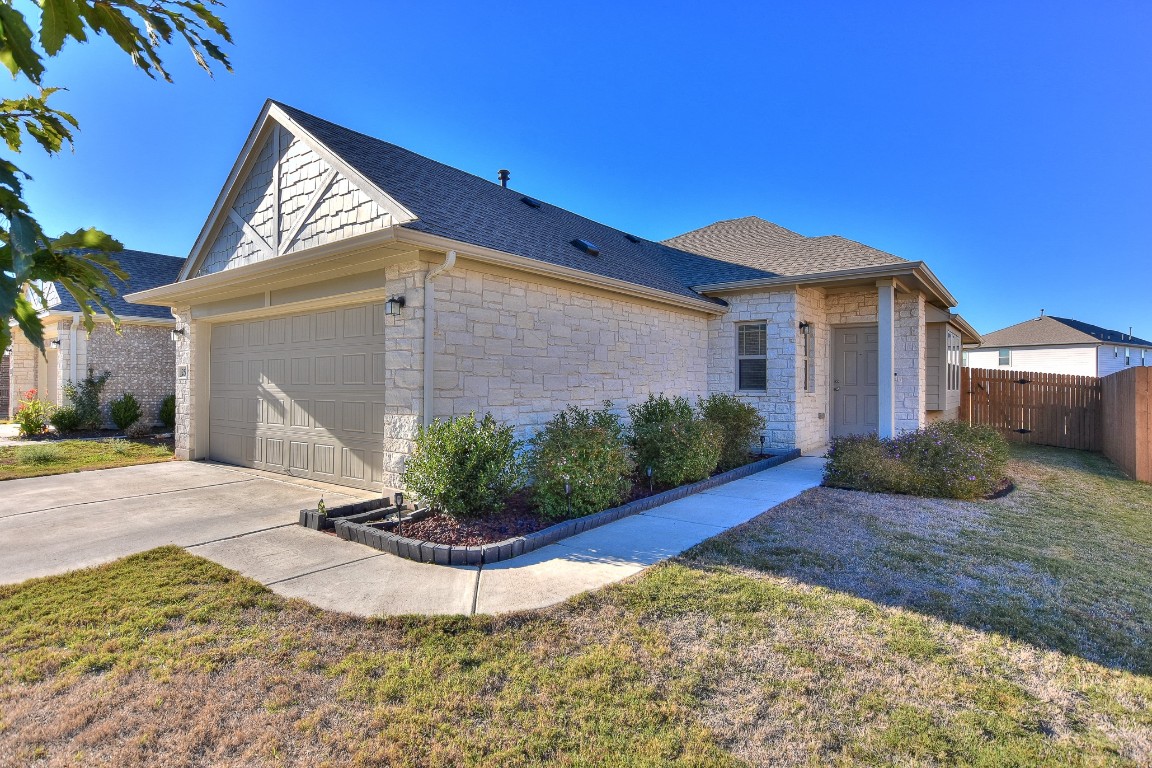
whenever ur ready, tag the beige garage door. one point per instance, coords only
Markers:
(302, 394)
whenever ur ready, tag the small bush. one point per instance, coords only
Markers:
(950, 459)
(39, 454)
(84, 396)
(65, 419)
(32, 415)
(126, 411)
(463, 467)
(589, 451)
(740, 425)
(669, 437)
(138, 429)
(168, 412)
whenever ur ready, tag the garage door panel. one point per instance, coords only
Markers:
(302, 393)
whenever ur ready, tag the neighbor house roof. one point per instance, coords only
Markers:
(1046, 331)
(145, 270)
(765, 246)
(458, 205)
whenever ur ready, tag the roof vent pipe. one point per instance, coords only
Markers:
(503, 176)
(1041, 312)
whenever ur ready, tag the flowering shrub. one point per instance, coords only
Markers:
(32, 415)
(949, 459)
(587, 450)
(464, 467)
(669, 437)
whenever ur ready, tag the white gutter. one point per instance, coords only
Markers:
(429, 331)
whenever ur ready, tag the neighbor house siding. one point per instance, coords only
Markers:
(1071, 360)
(524, 348)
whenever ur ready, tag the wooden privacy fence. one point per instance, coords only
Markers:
(1041, 408)
(1127, 421)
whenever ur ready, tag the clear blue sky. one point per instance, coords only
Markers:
(1009, 145)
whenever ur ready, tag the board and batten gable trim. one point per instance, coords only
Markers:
(267, 128)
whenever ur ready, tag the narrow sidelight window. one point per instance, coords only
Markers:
(808, 350)
(752, 357)
(953, 344)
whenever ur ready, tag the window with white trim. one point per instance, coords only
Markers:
(1127, 355)
(953, 345)
(1005, 357)
(752, 357)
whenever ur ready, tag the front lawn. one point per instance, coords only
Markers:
(58, 457)
(842, 628)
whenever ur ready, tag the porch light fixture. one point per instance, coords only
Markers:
(393, 306)
(177, 333)
(804, 326)
(55, 343)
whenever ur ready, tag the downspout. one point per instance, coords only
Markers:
(429, 330)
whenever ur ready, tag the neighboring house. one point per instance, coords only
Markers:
(140, 358)
(1048, 344)
(344, 291)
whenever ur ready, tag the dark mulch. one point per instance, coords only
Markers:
(516, 519)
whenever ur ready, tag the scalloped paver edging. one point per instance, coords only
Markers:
(444, 554)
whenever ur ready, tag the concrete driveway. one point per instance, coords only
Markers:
(60, 523)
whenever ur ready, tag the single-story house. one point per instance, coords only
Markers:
(1049, 344)
(345, 290)
(140, 357)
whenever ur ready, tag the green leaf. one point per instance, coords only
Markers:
(90, 238)
(59, 21)
(16, 51)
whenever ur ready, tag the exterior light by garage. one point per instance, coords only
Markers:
(393, 306)
(177, 334)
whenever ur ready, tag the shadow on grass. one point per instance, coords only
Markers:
(1063, 563)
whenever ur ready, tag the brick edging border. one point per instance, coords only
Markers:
(444, 554)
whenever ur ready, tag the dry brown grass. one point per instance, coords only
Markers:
(835, 630)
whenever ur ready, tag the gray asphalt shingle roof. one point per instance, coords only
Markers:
(1048, 330)
(145, 270)
(762, 245)
(458, 205)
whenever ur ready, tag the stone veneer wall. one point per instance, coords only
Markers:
(524, 348)
(24, 373)
(778, 404)
(140, 359)
(5, 395)
(813, 409)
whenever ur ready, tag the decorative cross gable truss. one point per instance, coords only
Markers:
(287, 193)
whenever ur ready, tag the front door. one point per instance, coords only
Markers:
(855, 390)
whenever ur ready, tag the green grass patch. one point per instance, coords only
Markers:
(77, 455)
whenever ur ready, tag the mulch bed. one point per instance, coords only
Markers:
(519, 517)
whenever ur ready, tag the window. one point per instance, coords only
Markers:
(1127, 355)
(964, 358)
(953, 344)
(1115, 351)
(752, 357)
(1005, 357)
(808, 354)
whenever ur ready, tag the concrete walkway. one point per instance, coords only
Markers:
(351, 578)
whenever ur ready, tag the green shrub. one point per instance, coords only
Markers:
(84, 396)
(138, 429)
(464, 468)
(65, 419)
(949, 459)
(740, 425)
(126, 411)
(587, 450)
(669, 437)
(32, 415)
(39, 454)
(168, 412)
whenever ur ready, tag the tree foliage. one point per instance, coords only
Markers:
(79, 262)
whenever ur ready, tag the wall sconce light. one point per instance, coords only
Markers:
(177, 334)
(804, 326)
(55, 343)
(394, 305)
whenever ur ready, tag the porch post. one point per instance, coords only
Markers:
(886, 367)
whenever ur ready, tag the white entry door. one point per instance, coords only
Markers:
(855, 388)
(302, 394)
